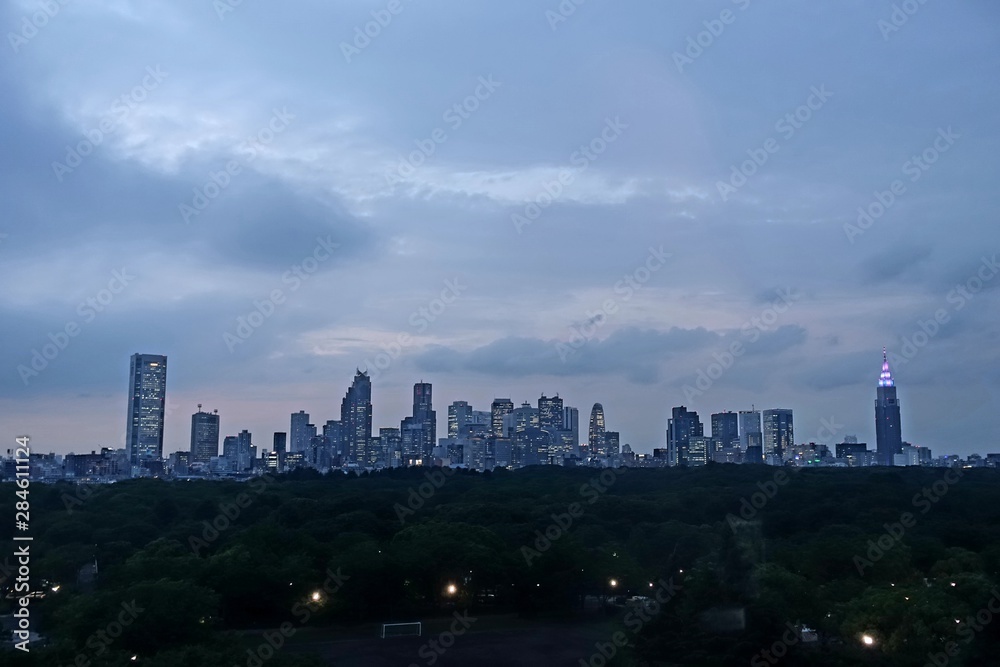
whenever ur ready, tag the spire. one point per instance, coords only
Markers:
(885, 379)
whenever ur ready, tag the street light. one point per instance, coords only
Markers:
(867, 640)
(614, 583)
(452, 589)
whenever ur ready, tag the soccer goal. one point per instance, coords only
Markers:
(402, 630)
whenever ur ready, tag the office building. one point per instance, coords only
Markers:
(888, 435)
(299, 432)
(681, 427)
(147, 399)
(749, 426)
(725, 429)
(500, 408)
(204, 437)
(595, 433)
(459, 414)
(778, 432)
(356, 420)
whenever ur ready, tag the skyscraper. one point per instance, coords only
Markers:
(204, 436)
(501, 407)
(550, 414)
(749, 424)
(725, 429)
(683, 425)
(459, 414)
(423, 414)
(595, 434)
(779, 436)
(299, 433)
(571, 423)
(147, 399)
(888, 436)
(356, 419)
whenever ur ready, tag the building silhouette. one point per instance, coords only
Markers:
(778, 433)
(888, 436)
(356, 420)
(726, 430)
(595, 434)
(147, 400)
(683, 425)
(204, 436)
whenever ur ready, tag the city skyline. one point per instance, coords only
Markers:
(741, 229)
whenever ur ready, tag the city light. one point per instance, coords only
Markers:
(614, 583)
(316, 596)
(867, 640)
(452, 589)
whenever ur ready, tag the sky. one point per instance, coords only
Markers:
(717, 204)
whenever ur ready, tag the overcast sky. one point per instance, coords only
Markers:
(724, 180)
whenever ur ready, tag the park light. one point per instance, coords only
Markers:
(452, 589)
(316, 596)
(614, 583)
(867, 640)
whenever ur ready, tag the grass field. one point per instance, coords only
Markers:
(490, 641)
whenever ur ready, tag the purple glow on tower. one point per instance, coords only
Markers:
(885, 379)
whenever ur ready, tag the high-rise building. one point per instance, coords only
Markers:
(888, 436)
(423, 414)
(390, 446)
(230, 451)
(204, 436)
(147, 400)
(683, 425)
(612, 443)
(550, 414)
(280, 448)
(571, 423)
(778, 433)
(356, 419)
(500, 408)
(725, 429)
(459, 414)
(245, 451)
(299, 433)
(749, 424)
(595, 433)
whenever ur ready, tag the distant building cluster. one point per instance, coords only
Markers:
(505, 436)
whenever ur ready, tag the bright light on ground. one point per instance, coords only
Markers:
(452, 589)
(867, 640)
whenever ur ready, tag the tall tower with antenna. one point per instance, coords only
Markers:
(888, 436)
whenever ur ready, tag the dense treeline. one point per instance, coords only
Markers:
(907, 557)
